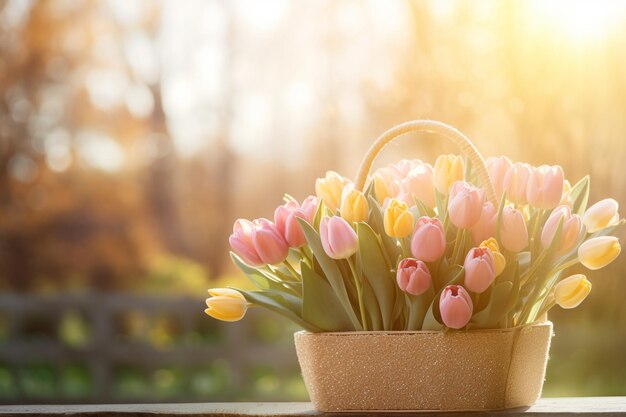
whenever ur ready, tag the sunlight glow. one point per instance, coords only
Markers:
(581, 20)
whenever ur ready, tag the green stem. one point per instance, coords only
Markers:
(359, 292)
(459, 242)
(292, 270)
(564, 266)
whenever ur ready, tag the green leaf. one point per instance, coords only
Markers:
(422, 208)
(263, 299)
(331, 270)
(499, 218)
(440, 203)
(260, 279)
(580, 196)
(320, 305)
(372, 309)
(491, 315)
(418, 307)
(375, 270)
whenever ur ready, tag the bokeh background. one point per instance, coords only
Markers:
(133, 133)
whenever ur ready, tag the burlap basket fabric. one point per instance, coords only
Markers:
(424, 370)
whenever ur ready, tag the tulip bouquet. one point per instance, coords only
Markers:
(466, 244)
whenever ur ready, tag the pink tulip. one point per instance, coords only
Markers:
(429, 239)
(402, 168)
(338, 238)
(268, 242)
(486, 226)
(465, 204)
(513, 232)
(413, 276)
(571, 229)
(480, 270)
(455, 306)
(418, 182)
(516, 181)
(545, 186)
(241, 242)
(385, 184)
(285, 218)
(497, 168)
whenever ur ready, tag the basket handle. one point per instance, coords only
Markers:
(431, 126)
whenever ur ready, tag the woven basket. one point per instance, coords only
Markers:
(424, 370)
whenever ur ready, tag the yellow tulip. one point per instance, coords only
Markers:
(385, 185)
(498, 258)
(571, 291)
(330, 188)
(226, 304)
(598, 252)
(448, 169)
(354, 207)
(600, 215)
(398, 219)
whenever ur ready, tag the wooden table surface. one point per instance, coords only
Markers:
(553, 407)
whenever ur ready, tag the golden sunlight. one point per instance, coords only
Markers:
(580, 20)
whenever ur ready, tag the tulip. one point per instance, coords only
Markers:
(285, 218)
(600, 215)
(241, 242)
(497, 168)
(268, 243)
(448, 169)
(598, 252)
(402, 168)
(330, 188)
(226, 304)
(419, 183)
(513, 232)
(465, 204)
(486, 226)
(338, 238)
(413, 276)
(498, 258)
(516, 182)
(480, 269)
(354, 207)
(385, 185)
(545, 186)
(571, 291)
(571, 229)
(398, 219)
(429, 239)
(455, 306)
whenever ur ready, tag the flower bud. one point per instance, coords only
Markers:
(339, 240)
(285, 218)
(516, 182)
(398, 220)
(329, 189)
(385, 184)
(448, 169)
(241, 242)
(513, 232)
(497, 168)
(598, 252)
(486, 226)
(479, 269)
(498, 259)
(571, 229)
(413, 276)
(571, 291)
(455, 306)
(600, 215)
(268, 242)
(545, 186)
(429, 239)
(354, 207)
(465, 204)
(226, 304)
(419, 183)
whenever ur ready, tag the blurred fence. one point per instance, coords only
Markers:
(105, 347)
